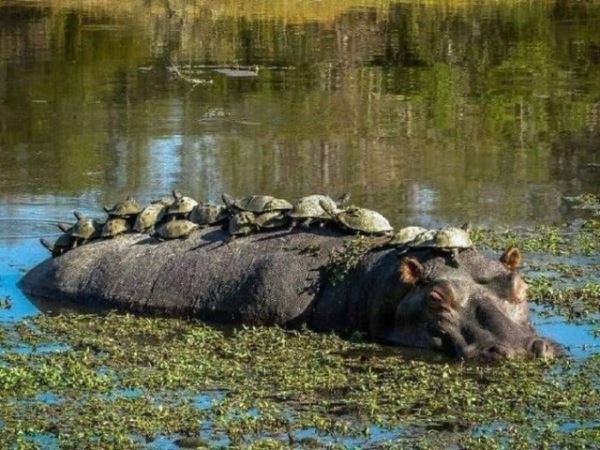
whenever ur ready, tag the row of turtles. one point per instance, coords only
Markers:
(177, 216)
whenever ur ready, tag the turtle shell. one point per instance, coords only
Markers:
(271, 219)
(445, 238)
(86, 229)
(149, 217)
(176, 229)
(452, 237)
(309, 207)
(182, 204)
(364, 220)
(208, 214)
(406, 235)
(127, 208)
(115, 226)
(261, 203)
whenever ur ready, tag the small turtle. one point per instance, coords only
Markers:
(115, 226)
(182, 206)
(125, 209)
(242, 223)
(308, 210)
(149, 217)
(271, 219)
(406, 235)
(256, 203)
(166, 201)
(207, 214)
(61, 245)
(176, 229)
(363, 220)
(447, 239)
(85, 229)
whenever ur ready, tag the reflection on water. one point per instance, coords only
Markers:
(440, 111)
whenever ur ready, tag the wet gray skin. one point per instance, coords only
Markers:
(476, 310)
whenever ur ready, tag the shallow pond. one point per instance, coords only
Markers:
(428, 111)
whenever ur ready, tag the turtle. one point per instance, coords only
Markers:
(176, 229)
(208, 214)
(308, 210)
(256, 203)
(447, 239)
(126, 209)
(115, 226)
(61, 245)
(85, 229)
(149, 217)
(181, 206)
(242, 223)
(362, 220)
(271, 219)
(167, 200)
(406, 235)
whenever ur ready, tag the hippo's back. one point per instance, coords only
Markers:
(266, 278)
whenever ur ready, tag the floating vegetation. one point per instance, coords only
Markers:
(5, 302)
(555, 240)
(342, 261)
(584, 201)
(121, 381)
(575, 302)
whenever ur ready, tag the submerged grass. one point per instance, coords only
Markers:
(125, 380)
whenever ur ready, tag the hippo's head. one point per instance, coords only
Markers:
(469, 305)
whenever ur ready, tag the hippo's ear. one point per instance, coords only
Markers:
(512, 258)
(411, 271)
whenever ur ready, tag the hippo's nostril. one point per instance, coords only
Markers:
(496, 352)
(541, 348)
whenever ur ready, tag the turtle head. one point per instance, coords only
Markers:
(327, 208)
(228, 200)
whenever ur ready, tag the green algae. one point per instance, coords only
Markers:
(555, 240)
(272, 384)
(342, 261)
(572, 302)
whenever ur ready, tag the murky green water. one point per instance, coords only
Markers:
(427, 111)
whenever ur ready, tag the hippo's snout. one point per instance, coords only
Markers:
(543, 348)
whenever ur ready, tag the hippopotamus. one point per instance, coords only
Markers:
(468, 305)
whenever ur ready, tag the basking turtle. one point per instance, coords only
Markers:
(406, 235)
(166, 201)
(85, 229)
(207, 214)
(242, 223)
(363, 220)
(125, 209)
(308, 209)
(115, 226)
(256, 203)
(448, 239)
(149, 217)
(61, 245)
(182, 206)
(271, 219)
(176, 229)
